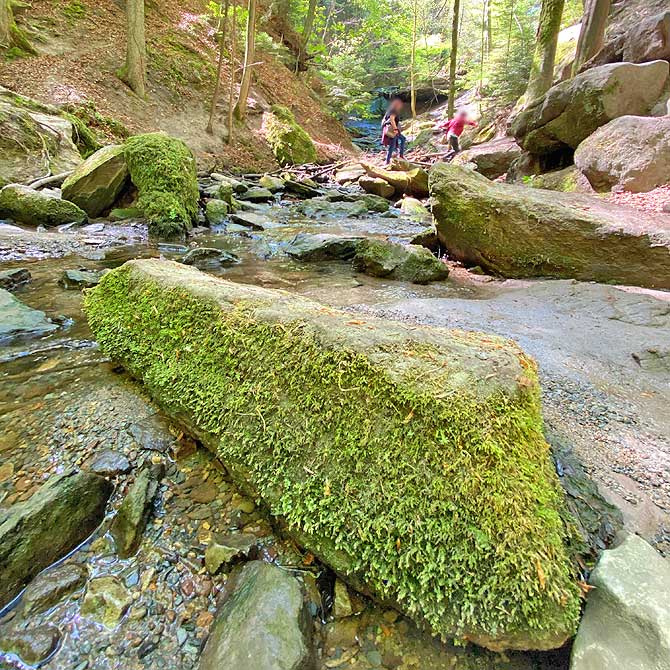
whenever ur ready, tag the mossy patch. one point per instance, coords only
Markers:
(411, 460)
(290, 143)
(163, 170)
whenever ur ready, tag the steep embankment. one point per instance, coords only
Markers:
(81, 45)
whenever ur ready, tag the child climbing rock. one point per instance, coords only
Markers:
(454, 129)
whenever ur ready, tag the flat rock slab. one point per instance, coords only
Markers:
(368, 439)
(17, 319)
(516, 231)
(321, 247)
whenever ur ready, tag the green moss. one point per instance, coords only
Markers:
(290, 143)
(74, 10)
(163, 170)
(85, 139)
(436, 490)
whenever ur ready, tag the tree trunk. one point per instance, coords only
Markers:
(307, 31)
(6, 21)
(592, 34)
(412, 76)
(233, 71)
(544, 58)
(249, 56)
(223, 18)
(136, 54)
(453, 59)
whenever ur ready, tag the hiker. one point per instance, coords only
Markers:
(454, 129)
(392, 136)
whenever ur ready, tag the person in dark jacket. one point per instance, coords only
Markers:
(392, 136)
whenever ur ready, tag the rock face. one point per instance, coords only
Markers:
(262, 626)
(398, 395)
(492, 159)
(649, 40)
(97, 182)
(574, 109)
(290, 143)
(37, 208)
(18, 319)
(323, 247)
(627, 619)
(630, 153)
(515, 231)
(25, 132)
(38, 532)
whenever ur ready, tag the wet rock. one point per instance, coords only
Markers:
(152, 433)
(80, 279)
(131, 519)
(574, 109)
(237, 185)
(223, 550)
(36, 533)
(380, 258)
(12, 279)
(33, 645)
(626, 623)
(515, 231)
(638, 164)
(284, 344)
(322, 247)
(203, 257)
(377, 186)
(375, 203)
(492, 159)
(262, 626)
(341, 603)
(98, 181)
(106, 601)
(257, 194)
(301, 189)
(51, 586)
(274, 184)
(109, 463)
(37, 208)
(321, 208)
(250, 220)
(216, 212)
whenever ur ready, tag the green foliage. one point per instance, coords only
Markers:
(74, 10)
(106, 128)
(163, 170)
(178, 64)
(439, 497)
(290, 143)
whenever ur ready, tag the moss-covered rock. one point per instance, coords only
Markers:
(567, 180)
(516, 231)
(97, 182)
(216, 211)
(410, 459)
(290, 143)
(163, 170)
(25, 205)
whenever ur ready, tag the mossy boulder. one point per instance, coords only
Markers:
(37, 208)
(217, 211)
(516, 231)
(290, 143)
(97, 182)
(163, 170)
(409, 459)
(567, 180)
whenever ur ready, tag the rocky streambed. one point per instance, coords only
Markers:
(158, 577)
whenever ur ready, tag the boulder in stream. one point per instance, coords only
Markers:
(51, 586)
(36, 533)
(263, 625)
(37, 208)
(412, 414)
(217, 211)
(80, 279)
(17, 319)
(203, 257)
(12, 279)
(323, 247)
(516, 231)
(32, 645)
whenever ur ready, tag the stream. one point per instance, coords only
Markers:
(604, 356)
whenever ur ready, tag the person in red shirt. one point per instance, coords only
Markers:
(454, 129)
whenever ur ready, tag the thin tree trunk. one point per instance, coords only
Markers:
(6, 21)
(509, 34)
(484, 49)
(307, 28)
(592, 34)
(233, 70)
(223, 18)
(453, 60)
(136, 54)
(249, 56)
(544, 58)
(412, 76)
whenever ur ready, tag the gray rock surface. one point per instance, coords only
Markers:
(493, 158)
(18, 319)
(12, 279)
(325, 246)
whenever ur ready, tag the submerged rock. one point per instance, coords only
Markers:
(33, 645)
(36, 533)
(17, 319)
(109, 463)
(97, 182)
(37, 208)
(627, 619)
(12, 279)
(289, 142)
(398, 395)
(263, 625)
(80, 279)
(515, 231)
(106, 601)
(221, 551)
(51, 586)
(307, 247)
(207, 257)
(407, 262)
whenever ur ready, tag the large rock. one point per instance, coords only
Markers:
(376, 186)
(627, 619)
(631, 153)
(322, 208)
(492, 159)
(52, 586)
(36, 533)
(572, 110)
(97, 182)
(17, 319)
(33, 645)
(428, 467)
(413, 181)
(648, 40)
(289, 141)
(37, 208)
(517, 231)
(323, 247)
(263, 625)
(34, 140)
